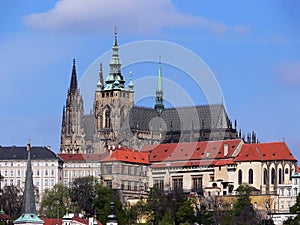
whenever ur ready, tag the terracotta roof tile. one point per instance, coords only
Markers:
(265, 152)
(190, 150)
(52, 221)
(127, 155)
(81, 157)
(189, 163)
(224, 162)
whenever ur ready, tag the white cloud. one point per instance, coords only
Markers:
(98, 16)
(289, 73)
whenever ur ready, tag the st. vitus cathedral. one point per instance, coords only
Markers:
(116, 121)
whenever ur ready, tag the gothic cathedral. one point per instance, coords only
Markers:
(116, 121)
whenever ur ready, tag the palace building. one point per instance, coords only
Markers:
(116, 120)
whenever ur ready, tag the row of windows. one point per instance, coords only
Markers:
(81, 173)
(11, 173)
(130, 185)
(89, 165)
(12, 164)
(265, 178)
(250, 176)
(127, 170)
(37, 183)
(177, 183)
(110, 94)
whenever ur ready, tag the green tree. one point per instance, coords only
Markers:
(243, 210)
(294, 209)
(202, 215)
(12, 200)
(167, 218)
(82, 194)
(55, 201)
(101, 202)
(185, 212)
(156, 205)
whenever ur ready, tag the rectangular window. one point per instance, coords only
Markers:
(123, 169)
(19, 183)
(177, 183)
(109, 184)
(11, 173)
(11, 182)
(18, 173)
(46, 172)
(52, 182)
(52, 172)
(122, 185)
(197, 184)
(129, 170)
(129, 185)
(135, 187)
(108, 169)
(46, 182)
(159, 184)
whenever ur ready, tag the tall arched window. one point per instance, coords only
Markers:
(265, 176)
(250, 178)
(280, 176)
(273, 176)
(240, 177)
(107, 118)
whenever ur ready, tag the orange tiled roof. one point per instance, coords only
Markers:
(298, 169)
(52, 221)
(189, 163)
(55, 221)
(190, 150)
(224, 162)
(127, 155)
(81, 157)
(265, 152)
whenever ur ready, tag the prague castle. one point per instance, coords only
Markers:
(116, 120)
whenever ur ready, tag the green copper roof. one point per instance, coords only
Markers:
(28, 218)
(115, 79)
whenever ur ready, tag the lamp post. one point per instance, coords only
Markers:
(112, 218)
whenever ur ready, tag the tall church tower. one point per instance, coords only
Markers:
(112, 103)
(159, 99)
(72, 132)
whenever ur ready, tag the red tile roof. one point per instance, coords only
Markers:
(265, 152)
(127, 155)
(298, 169)
(189, 163)
(81, 157)
(52, 221)
(55, 221)
(224, 162)
(190, 150)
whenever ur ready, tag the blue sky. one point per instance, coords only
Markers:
(252, 47)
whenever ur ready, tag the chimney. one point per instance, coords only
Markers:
(225, 149)
(28, 145)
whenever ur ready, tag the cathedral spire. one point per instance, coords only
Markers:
(73, 83)
(100, 83)
(29, 215)
(130, 85)
(115, 80)
(159, 101)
